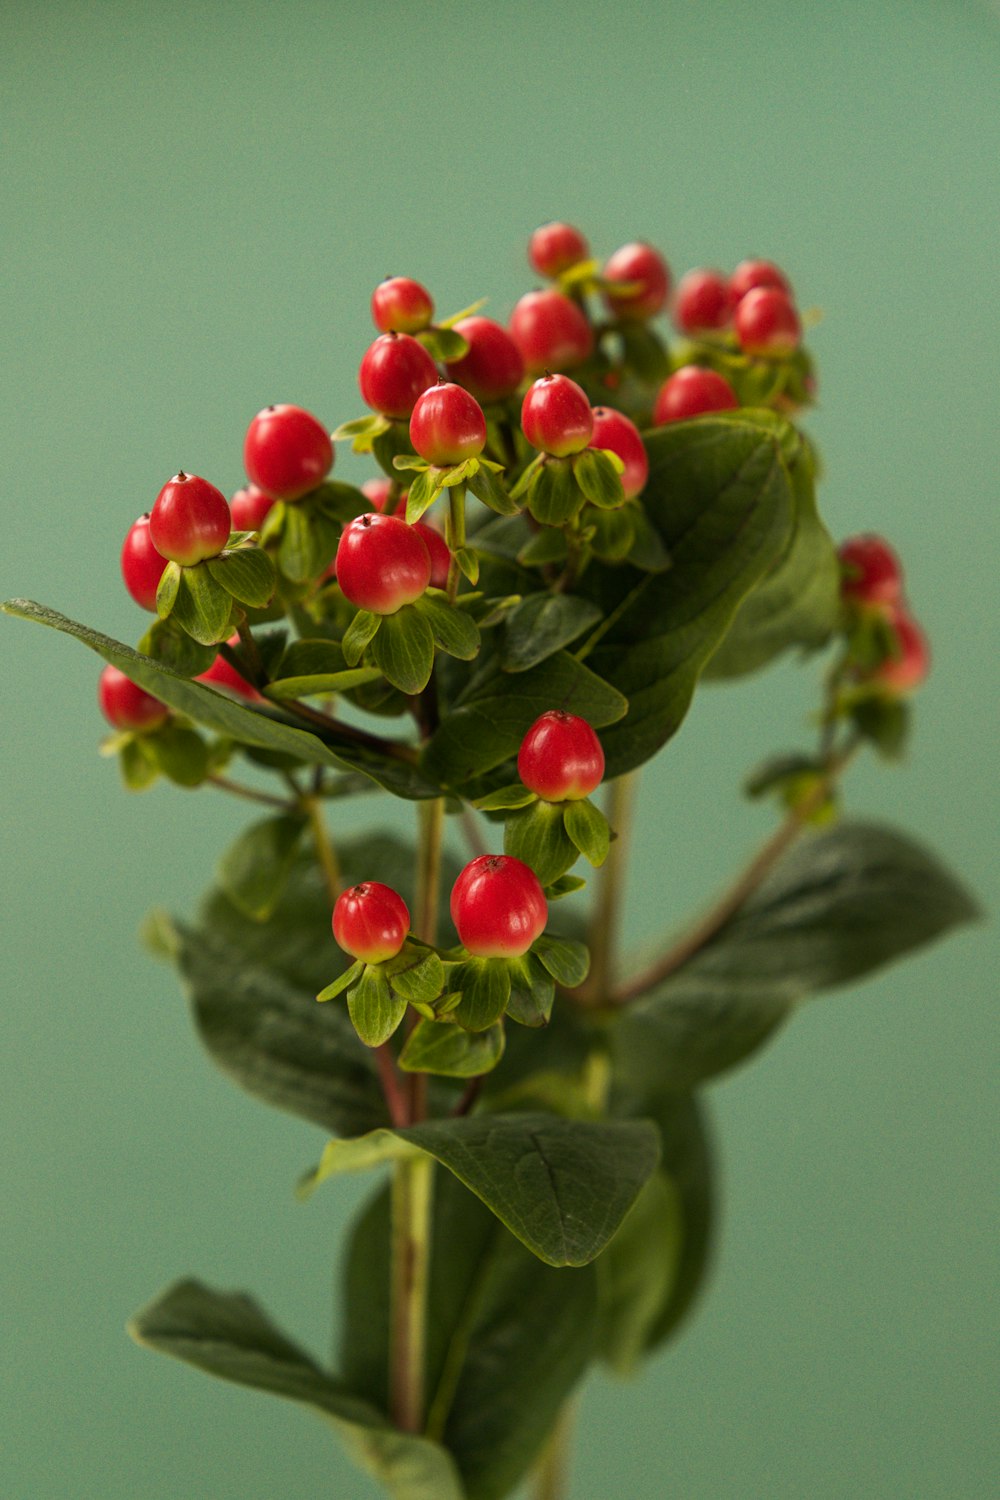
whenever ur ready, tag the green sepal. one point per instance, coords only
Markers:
(308, 542)
(166, 589)
(322, 682)
(246, 573)
(360, 427)
(166, 642)
(454, 631)
(505, 798)
(566, 885)
(485, 986)
(410, 463)
(598, 474)
(535, 835)
(546, 546)
(468, 564)
(443, 344)
(416, 974)
(527, 477)
(342, 982)
(566, 960)
(202, 606)
(612, 533)
(359, 634)
(421, 495)
(587, 828)
(486, 487)
(137, 763)
(255, 869)
(335, 501)
(555, 497)
(404, 650)
(181, 754)
(446, 1049)
(373, 1007)
(532, 992)
(543, 624)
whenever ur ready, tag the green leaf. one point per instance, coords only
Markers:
(507, 1337)
(403, 649)
(454, 630)
(232, 719)
(443, 344)
(307, 544)
(253, 870)
(359, 634)
(843, 903)
(637, 1274)
(536, 836)
(505, 798)
(487, 723)
(566, 885)
(554, 496)
(647, 550)
(227, 1334)
(532, 992)
(342, 982)
(367, 426)
(323, 682)
(245, 572)
(588, 829)
(545, 546)
(421, 495)
(416, 974)
(442, 1047)
(485, 988)
(599, 479)
(468, 564)
(374, 1010)
(566, 960)
(202, 606)
(543, 624)
(166, 589)
(884, 722)
(392, 440)
(612, 533)
(644, 352)
(181, 754)
(168, 643)
(138, 763)
(486, 487)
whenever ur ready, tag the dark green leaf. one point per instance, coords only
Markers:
(253, 871)
(599, 479)
(566, 960)
(245, 572)
(543, 624)
(647, 550)
(392, 440)
(536, 836)
(884, 722)
(359, 634)
(637, 1272)
(442, 1047)
(485, 988)
(181, 754)
(202, 606)
(773, 774)
(532, 992)
(588, 829)
(490, 490)
(327, 682)
(612, 533)
(454, 630)
(168, 643)
(554, 496)
(644, 352)
(545, 546)
(403, 649)
(335, 501)
(306, 547)
(374, 1010)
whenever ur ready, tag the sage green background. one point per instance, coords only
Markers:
(197, 201)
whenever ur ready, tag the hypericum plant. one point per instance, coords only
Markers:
(520, 608)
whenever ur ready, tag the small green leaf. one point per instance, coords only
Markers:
(588, 829)
(527, 477)
(459, 317)
(181, 754)
(166, 589)
(488, 488)
(535, 834)
(358, 635)
(546, 546)
(599, 478)
(773, 774)
(342, 982)
(506, 797)
(468, 563)
(247, 573)
(884, 722)
(410, 463)
(374, 1010)
(421, 495)
(254, 870)
(555, 497)
(566, 960)
(446, 1049)
(612, 533)
(417, 974)
(393, 439)
(566, 885)
(454, 630)
(137, 763)
(335, 501)
(368, 426)
(443, 344)
(167, 642)
(202, 606)
(543, 624)
(308, 543)
(327, 682)
(485, 988)
(404, 650)
(532, 992)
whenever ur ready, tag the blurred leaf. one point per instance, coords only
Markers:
(254, 869)
(442, 1047)
(599, 479)
(181, 754)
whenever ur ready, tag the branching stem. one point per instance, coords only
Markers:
(237, 789)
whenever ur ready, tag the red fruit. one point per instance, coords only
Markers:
(750, 274)
(394, 372)
(125, 705)
(556, 416)
(498, 906)
(437, 550)
(493, 367)
(614, 430)
(378, 492)
(370, 922)
(550, 331)
(871, 573)
(287, 451)
(400, 305)
(382, 563)
(912, 662)
(221, 675)
(190, 520)
(704, 302)
(249, 508)
(766, 322)
(690, 392)
(560, 758)
(142, 565)
(650, 274)
(447, 425)
(554, 247)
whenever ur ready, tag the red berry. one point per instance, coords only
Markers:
(400, 305)
(370, 921)
(437, 550)
(287, 451)
(560, 758)
(221, 675)
(493, 367)
(498, 906)
(554, 247)
(650, 274)
(378, 491)
(556, 416)
(382, 563)
(766, 322)
(750, 274)
(704, 302)
(249, 508)
(447, 425)
(550, 331)
(142, 565)
(871, 573)
(614, 430)
(394, 372)
(125, 705)
(690, 392)
(190, 520)
(911, 664)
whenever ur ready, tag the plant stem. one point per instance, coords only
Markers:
(456, 535)
(603, 935)
(412, 1191)
(313, 809)
(250, 793)
(396, 1101)
(751, 878)
(431, 815)
(250, 651)
(552, 1470)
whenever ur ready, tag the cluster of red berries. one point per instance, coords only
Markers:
(872, 586)
(756, 302)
